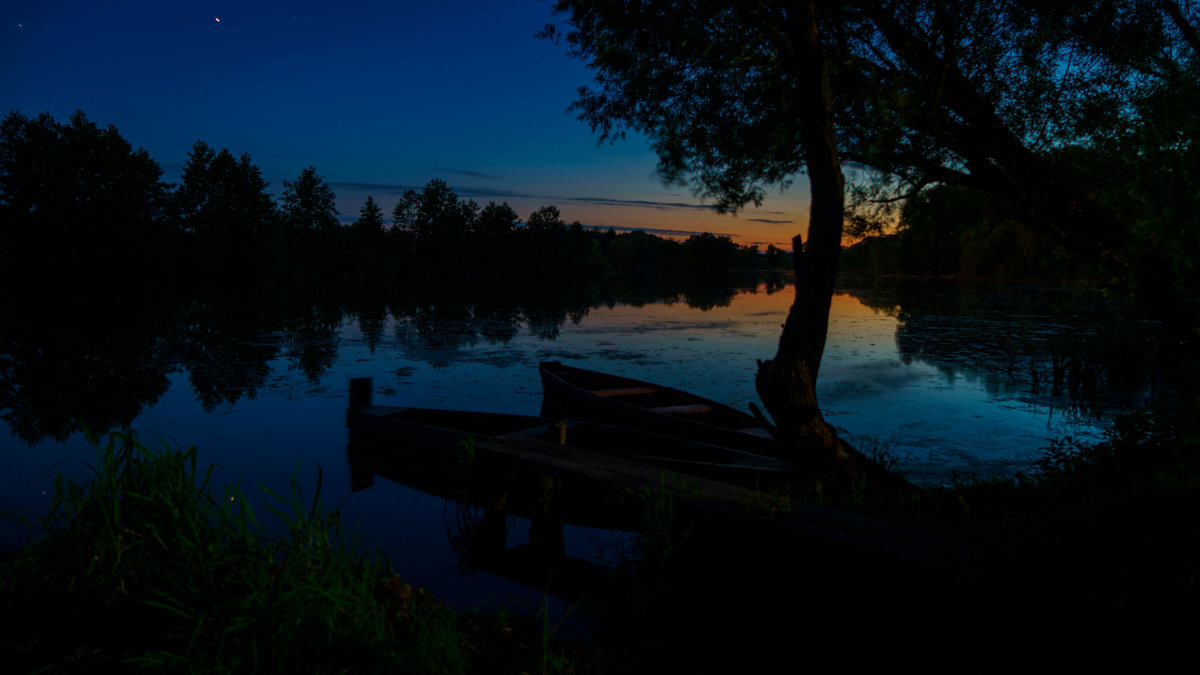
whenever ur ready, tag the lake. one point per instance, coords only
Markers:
(949, 383)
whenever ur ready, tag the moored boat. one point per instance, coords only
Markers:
(613, 399)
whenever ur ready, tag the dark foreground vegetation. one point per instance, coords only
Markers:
(147, 565)
(1089, 564)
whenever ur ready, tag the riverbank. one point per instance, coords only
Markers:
(1092, 563)
(146, 565)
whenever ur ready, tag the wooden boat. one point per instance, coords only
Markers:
(612, 399)
(435, 436)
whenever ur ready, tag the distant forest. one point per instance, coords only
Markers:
(948, 231)
(79, 203)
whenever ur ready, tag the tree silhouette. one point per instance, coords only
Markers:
(546, 218)
(226, 210)
(367, 235)
(308, 202)
(497, 220)
(60, 373)
(370, 217)
(77, 200)
(734, 97)
(435, 219)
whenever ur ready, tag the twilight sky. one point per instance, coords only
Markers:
(379, 96)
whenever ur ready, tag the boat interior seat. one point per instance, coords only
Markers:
(683, 409)
(624, 391)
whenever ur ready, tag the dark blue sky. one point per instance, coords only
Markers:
(379, 96)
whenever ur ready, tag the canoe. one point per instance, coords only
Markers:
(612, 399)
(435, 436)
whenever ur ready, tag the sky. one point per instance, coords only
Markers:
(378, 96)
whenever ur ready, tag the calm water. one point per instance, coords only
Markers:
(949, 383)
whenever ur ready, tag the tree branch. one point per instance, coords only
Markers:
(1189, 32)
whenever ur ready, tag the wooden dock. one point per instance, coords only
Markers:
(528, 473)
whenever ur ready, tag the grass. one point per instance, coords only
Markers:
(144, 565)
(1091, 563)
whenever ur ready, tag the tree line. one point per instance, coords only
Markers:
(78, 201)
(946, 231)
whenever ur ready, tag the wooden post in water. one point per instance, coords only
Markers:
(493, 532)
(546, 527)
(559, 431)
(360, 397)
(360, 479)
(360, 392)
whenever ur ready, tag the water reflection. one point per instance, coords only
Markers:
(916, 368)
(1055, 347)
(69, 363)
(81, 362)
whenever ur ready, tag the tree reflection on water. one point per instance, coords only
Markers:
(70, 363)
(1076, 351)
(67, 365)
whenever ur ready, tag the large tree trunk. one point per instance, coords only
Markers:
(787, 383)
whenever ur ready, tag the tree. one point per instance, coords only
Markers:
(404, 213)
(1014, 99)
(709, 255)
(225, 207)
(545, 219)
(370, 217)
(434, 218)
(308, 203)
(76, 199)
(1074, 119)
(367, 237)
(223, 193)
(733, 98)
(497, 220)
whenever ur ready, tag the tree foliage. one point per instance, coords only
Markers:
(308, 202)
(545, 219)
(370, 217)
(435, 217)
(1075, 118)
(497, 220)
(226, 212)
(223, 195)
(68, 191)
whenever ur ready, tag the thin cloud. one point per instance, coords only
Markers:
(611, 201)
(662, 232)
(495, 192)
(769, 221)
(468, 172)
(500, 193)
(384, 188)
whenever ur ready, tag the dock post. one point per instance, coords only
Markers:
(360, 397)
(360, 392)
(360, 479)
(546, 526)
